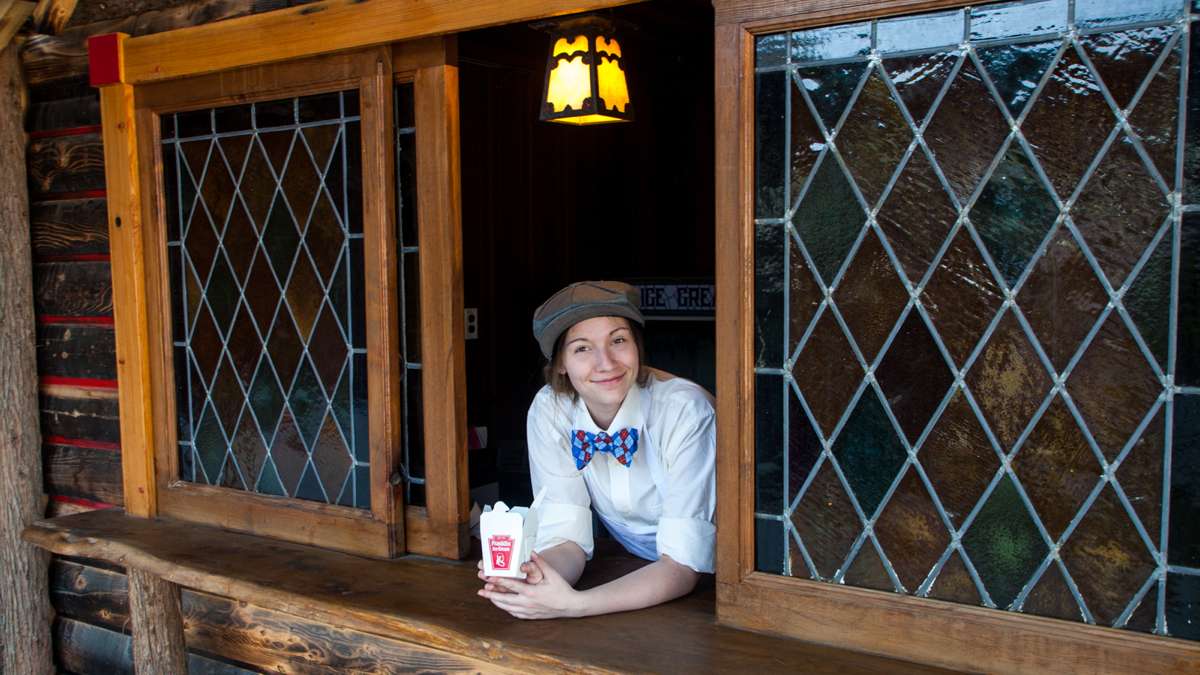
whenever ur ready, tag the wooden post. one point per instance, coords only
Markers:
(158, 644)
(24, 596)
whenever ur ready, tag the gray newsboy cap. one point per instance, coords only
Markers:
(583, 300)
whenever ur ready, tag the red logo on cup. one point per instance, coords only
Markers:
(501, 547)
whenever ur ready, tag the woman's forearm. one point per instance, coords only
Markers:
(567, 559)
(655, 583)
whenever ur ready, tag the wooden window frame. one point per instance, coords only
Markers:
(916, 629)
(370, 45)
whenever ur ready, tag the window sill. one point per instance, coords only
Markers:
(432, 603)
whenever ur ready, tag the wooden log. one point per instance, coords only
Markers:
(92, 11)
(64, 113)
(72, 227)
(51, 16)
(78, 412)
(24, 603)
(158, 645)
(84, 648)
(13, 19)
(85, 473)
(76, 350)
(75, 289)
(263, 638)
(48, 58)
(66, 164)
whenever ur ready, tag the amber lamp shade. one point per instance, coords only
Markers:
(585, 74)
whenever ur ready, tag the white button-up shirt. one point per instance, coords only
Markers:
(663, 503)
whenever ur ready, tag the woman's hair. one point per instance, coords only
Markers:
(560, 382)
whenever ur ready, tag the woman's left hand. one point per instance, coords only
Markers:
(542, 594)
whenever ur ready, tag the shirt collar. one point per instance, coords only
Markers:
(629, 415)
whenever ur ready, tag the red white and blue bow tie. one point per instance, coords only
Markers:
(621, 445)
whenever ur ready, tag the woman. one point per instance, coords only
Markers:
(633, 443)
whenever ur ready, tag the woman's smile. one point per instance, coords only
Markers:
(601, 359)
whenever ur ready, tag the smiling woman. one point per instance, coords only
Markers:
(633, 443)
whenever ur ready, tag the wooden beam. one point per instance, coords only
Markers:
(13, 20)
(324, 27)
(129, 295)
(158, 645)
(439, 237)
(51, 16)
(24, 602)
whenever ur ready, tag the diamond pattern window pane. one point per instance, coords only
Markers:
(259, 253)
(970, 384)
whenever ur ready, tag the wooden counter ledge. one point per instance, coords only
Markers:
(432, 606)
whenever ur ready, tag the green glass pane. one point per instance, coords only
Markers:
(284, 348)
(804, 296)
(911, 532)
(226, 396)
(1149, 300)
(919, 79)
(770, 92)
(1013, 213)
(205, 344)
(414, 412)
(412, 307)
(1057, 468)
(1113, 386)
(319, 107)
(829, 218)
(277, 145)
(362, 489)
(1144, 619)
(244, 346)
(240, 240)
(768, 443)
(280, 239)
(1061, 320)
(222, 294)
(266, 400)
(328, 349)
(216, 190)
(210, 446)
(1004, 544)
(1191, 145)
(827, 372)
(769, 243)
(171, 193)
(1155, 117)
(803, 445)
(869, 452)
(1120, 210)
(1021, 18)
(301, 183)
(304, 295)
(248, 450)
(1107, 558)
(353, 154)
(187, 463)
(795, 559)
(270, 483)
(1140, 475)
(258, 185)
(1016, 70)
(830, 88)
(1052, 597)
(1184, 538)
(958, 459)
(831, 42)
(262, 293)
(358, 313)
(1123, 58)
(966, 131)
(826, 522)
(235, 149)
(307, 402)
(1008, 381)
(200, 244)
(914, 376)
(341, 404)
(324, 238)
(310, 486)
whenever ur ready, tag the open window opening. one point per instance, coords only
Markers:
(548, 204)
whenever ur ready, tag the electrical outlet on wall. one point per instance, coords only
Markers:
(471, 316)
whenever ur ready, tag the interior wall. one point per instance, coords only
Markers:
(548, 204)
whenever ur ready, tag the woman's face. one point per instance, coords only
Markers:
(601, 360)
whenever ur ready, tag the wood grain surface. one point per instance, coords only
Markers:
(74, 289)
(72, 227)
(76, 350)
(433, 603)
(78, 412)
(66, 164)
(84, 473)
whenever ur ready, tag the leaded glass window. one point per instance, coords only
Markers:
(975, 309)
(413, 459)
(265, 247)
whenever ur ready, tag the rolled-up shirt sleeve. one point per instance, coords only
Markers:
(565, 512)
(686, 531)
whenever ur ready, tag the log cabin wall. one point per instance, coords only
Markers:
(77, 372)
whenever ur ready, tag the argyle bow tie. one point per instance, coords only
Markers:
(621, 445)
